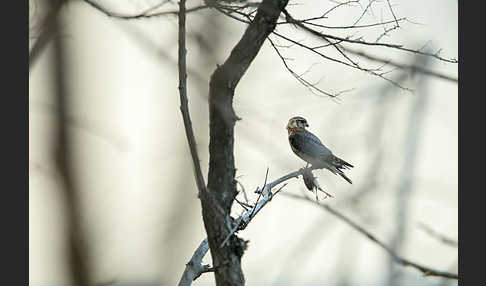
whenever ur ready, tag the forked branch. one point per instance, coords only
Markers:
(194, 267)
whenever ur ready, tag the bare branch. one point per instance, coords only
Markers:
(311, 87)
(63, 149)
(228, 13)
(404, 188)
(366, 9)
(144, 14)
(427, 271)
(47, 31)
(194, 268)
(442, 238)
(201, 185)
(342, 50)
(321, 35)
(243, 190)
(415, 68)
(347, 3)
(260, 194)
(308, 21)
(217, 202)
(393, 13)
(243, 205)
(371, 71)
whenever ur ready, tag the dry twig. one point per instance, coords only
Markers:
(144, 14)
(427, 271)
(194, 268)
(442, 238)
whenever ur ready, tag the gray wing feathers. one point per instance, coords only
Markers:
(313, 151)
(313, 145)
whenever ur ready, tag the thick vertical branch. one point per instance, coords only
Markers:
(406, 183)
(216, 203)
(47, 28)
(77, 252)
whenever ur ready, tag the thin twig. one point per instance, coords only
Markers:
(310, 86)
(368, 7)
(427, 271)
(260, 194)
(371, 71)
(343, 50)
(442, 238)
(415, 68)
(321, 35)
(393, 13)
(233, 230)
(243, 205)
(145, 14)
(307, 21)
(242, 190)
(337, 6)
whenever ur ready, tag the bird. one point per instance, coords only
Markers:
(309, 148)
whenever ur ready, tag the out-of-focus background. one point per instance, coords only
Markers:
(140, 211)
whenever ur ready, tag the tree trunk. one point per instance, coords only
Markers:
(221, 191)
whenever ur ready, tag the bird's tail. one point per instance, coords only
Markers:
(340, 164)
(344, 176)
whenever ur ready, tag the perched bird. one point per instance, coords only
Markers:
(310, 149)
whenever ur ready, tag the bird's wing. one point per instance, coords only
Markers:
(308, 147)
(307, 143)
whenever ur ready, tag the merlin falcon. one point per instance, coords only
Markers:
(310, 149)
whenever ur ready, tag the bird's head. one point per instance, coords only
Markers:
(297, 123)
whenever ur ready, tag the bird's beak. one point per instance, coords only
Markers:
(306, 124)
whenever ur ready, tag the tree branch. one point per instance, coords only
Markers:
(194, 267)
(312, 87)
(326, 37)
(414, 67)
(47, 32)
(77, 244)
(145, 14)
(427, 271)
(336, 42)
(442, 238)
(216, 203)
(352, 65)
(201, 185)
